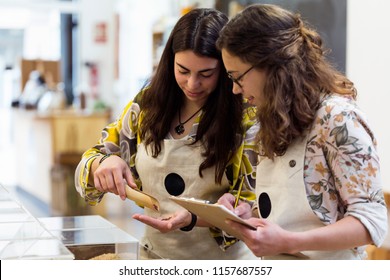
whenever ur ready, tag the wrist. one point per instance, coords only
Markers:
(192, 224)
(104, 158)
(292, 242)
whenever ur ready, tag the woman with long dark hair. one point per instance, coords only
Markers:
(185, 134)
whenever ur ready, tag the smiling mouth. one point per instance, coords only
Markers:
(190, 92)
(193, 93)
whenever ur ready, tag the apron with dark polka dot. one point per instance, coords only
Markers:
(176, 172)
(281, 194)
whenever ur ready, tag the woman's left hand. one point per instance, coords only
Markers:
(175, 221)
(242, 210)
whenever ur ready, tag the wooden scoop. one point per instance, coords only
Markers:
(142, 199)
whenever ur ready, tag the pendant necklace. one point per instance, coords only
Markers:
(180, 127)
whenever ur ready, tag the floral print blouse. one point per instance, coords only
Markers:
(342, 172)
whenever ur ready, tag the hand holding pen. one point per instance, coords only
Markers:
(233, 203)
(241, 207)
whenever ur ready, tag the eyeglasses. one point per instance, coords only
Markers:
(239, 78)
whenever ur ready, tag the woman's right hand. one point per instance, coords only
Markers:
(112, 175)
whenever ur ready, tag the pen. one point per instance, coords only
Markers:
(239, 191)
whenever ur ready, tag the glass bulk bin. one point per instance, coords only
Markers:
(92, 236)
(22, 236)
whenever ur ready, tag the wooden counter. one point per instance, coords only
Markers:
(40, 138)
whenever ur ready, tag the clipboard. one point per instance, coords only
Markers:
(215, 214)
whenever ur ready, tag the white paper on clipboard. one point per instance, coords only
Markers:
(215, 214)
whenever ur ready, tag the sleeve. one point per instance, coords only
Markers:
(118, 138)
(245, 160)
(242, 167)
(350, 150)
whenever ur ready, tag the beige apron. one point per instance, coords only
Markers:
(178, 157)
(282, 180)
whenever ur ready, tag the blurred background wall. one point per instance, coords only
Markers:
(107, 49)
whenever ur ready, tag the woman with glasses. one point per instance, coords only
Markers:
(318, 185)
(185, 134)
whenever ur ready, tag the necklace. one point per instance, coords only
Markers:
(180, 127)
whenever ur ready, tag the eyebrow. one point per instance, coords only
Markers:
(201, 71)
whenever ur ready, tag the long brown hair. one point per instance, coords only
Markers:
(220, 123)
(298, 72)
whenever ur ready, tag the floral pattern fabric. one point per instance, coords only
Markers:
(342, 173)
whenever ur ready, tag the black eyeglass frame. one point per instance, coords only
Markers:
(237, 80)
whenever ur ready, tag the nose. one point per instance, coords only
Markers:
(193, 82)
(236, 89)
